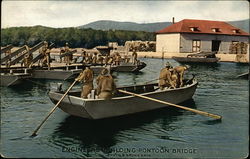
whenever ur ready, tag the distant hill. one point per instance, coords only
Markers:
(242, 24)
(148, 27)
(115, 25)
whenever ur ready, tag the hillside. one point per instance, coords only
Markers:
(148, 27)
(115, 25)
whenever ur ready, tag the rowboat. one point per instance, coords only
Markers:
(55, 74)
(122, 104)
(129, 67)
(198, 58)
(13, 79)
(244, 75)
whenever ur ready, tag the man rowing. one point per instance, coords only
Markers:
(86, 78)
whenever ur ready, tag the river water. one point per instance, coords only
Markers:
(164, 133)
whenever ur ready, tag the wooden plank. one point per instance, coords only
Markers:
(8, 47)
(13, 54)
(33, 49)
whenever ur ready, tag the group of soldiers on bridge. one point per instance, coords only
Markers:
(114, 58)
(24, 55)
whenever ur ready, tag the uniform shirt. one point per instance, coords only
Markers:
(86, 76)
(105, 83)
(165, 78)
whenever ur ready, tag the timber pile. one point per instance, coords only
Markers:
(238, 48)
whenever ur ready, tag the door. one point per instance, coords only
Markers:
(216, 45)
(196, 46)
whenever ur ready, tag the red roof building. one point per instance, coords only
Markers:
(203, 27)
(191, 36)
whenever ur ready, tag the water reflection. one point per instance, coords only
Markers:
(105, 133)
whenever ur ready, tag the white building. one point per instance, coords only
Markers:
(190, 36)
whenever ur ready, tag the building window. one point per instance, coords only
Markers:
(215, 30)
(194, 29)
(236, 31)
(196, 46)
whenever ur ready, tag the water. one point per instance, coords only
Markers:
(164, 133)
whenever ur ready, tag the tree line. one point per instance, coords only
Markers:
(76, 37)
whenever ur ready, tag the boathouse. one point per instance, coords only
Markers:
(191, 36)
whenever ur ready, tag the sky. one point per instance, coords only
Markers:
(65, 13)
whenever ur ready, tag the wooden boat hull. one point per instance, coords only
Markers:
(57, 74)
(13, 79)
(244, 75)
(118, 106)
(196, 59)
(128, 67)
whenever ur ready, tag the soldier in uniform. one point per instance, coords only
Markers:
(94, 59)
(67, 57)
(46, 58)
(117, 59)
(126, 58)
(62, 51)
(27, 58)
(174, 78)
(9, 60)
(134, 57)
(84, 56)
(105, 85)
(106, 59)
(111, 60)
(43, 52)
(86, 77)
(100, 59)
(180, 74)
(165, 78)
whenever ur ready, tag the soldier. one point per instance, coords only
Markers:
(46, 58)
(165, 78)
(180, 74)
(27, 58)
(174, 78)
(117, 59)
(86, 77)
(134, 57)
(126, 58)
(43, 52)
(9, 60)
(105, 85)
(106, 59)
(84, 56)
(99, 59)
(67, 58)
(94, 59)
(111, 60)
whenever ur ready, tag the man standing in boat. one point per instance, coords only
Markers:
(134, 56)
(86, 77)
(179, 70)
(105, 85)
(165, 78)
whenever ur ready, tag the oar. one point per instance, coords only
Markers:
(175, 105)
(34, 133)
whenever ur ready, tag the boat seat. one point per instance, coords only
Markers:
(129, 89)
(139, 89)
(149, 88)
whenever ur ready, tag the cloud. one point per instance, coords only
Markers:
(75, 13)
